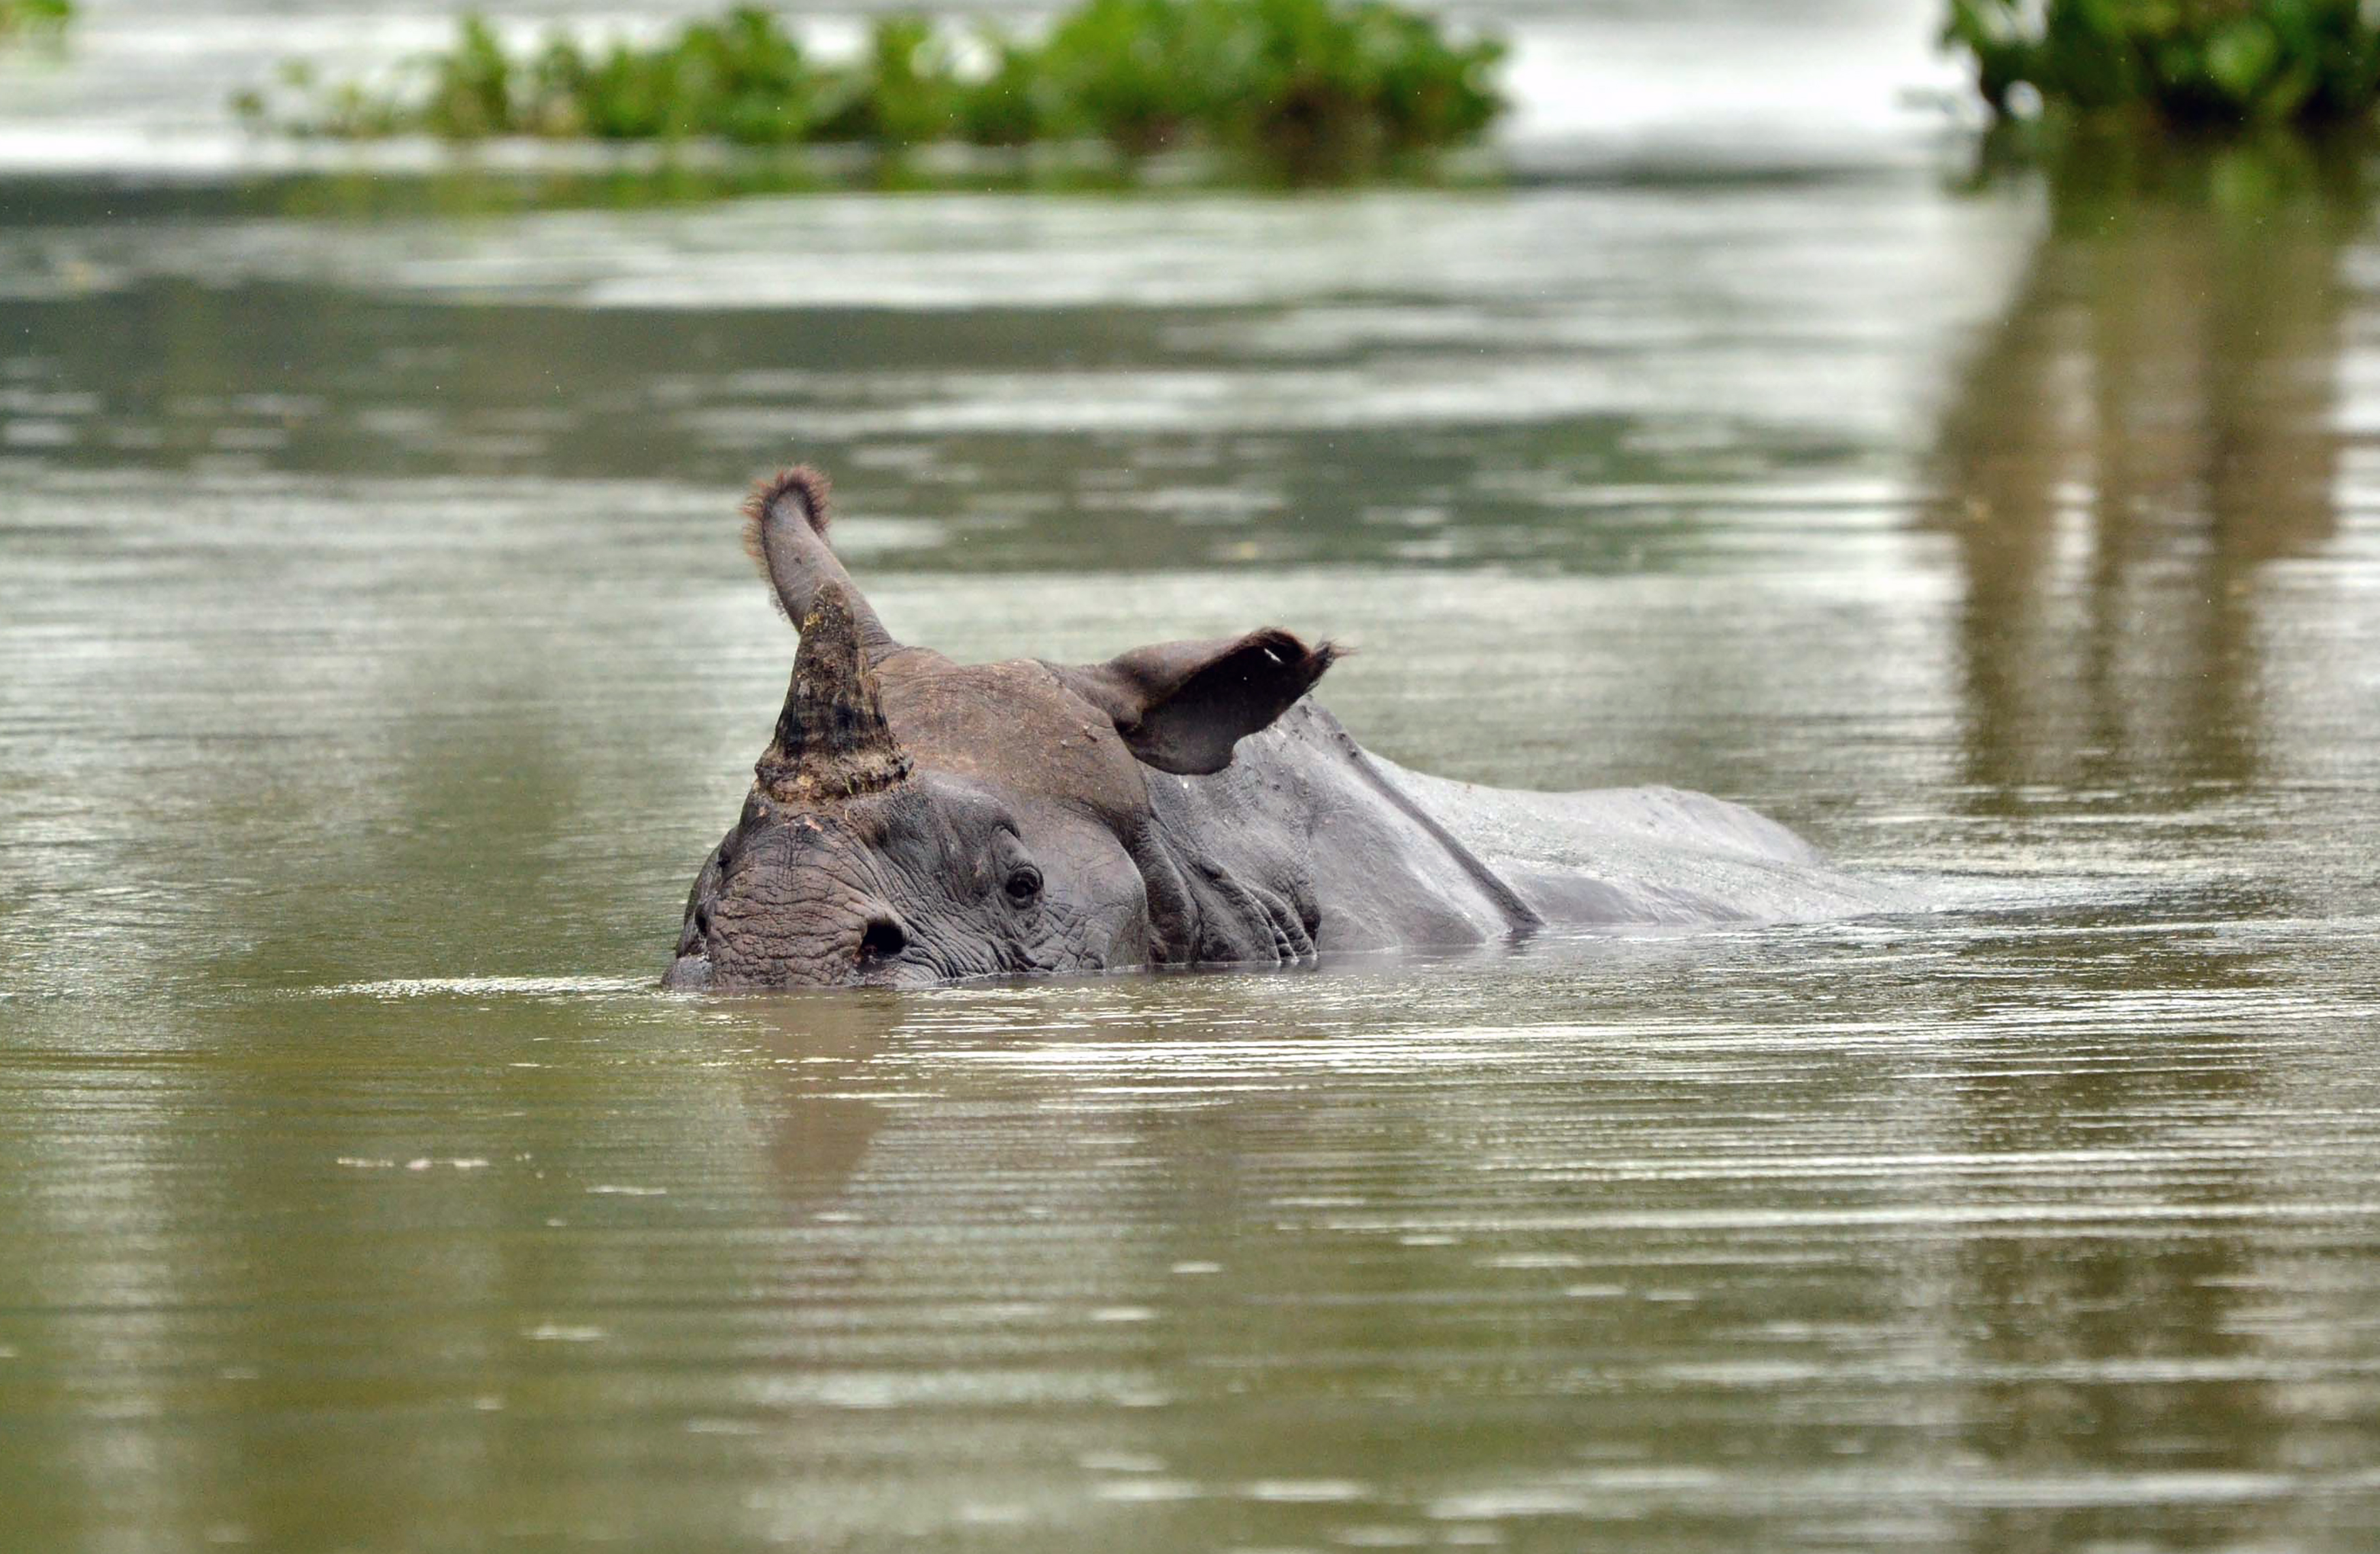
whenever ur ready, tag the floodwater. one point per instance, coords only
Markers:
(377, 659)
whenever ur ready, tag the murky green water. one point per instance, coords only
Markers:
(376, 660)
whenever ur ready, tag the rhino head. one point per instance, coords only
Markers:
(916, 820)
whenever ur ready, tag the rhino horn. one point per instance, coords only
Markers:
(784, 528)
(831, 739)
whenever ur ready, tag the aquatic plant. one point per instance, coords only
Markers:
(1306, 79)
(2191, 62)
(1310, 86)
(19, 18)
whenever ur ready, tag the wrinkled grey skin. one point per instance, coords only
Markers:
(918, 821)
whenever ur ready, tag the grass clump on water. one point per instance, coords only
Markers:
(2192, 63)
(25, 18)
(1308, 85)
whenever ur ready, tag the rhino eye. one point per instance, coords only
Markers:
(1024, 884)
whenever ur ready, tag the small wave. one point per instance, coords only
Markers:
(486, 986)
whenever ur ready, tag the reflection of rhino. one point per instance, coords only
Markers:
(916, 820)
(815, 1131)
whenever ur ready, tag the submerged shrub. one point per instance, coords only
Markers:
(1311, 85)
(33, 15)
(739, 79)
(2183, 61)
(904, 92)
(1304, 80)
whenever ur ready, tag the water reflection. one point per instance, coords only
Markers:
(815, 1133)
(2156, 419)
(1575, 375)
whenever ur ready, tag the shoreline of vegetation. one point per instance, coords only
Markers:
(2204, 67)
(1306, 88)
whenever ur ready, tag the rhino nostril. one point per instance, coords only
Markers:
(883, 939)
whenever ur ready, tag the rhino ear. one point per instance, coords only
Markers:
(1181, 705)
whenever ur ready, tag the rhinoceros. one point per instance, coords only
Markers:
(916, 820)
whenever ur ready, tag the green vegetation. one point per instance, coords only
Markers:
(1308, 86)
(2209, 63)
(23, 18)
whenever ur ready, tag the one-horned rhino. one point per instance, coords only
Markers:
(917, 820)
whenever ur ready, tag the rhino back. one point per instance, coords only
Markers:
(1299, 810)
(1648, 856)
(1383, 858)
